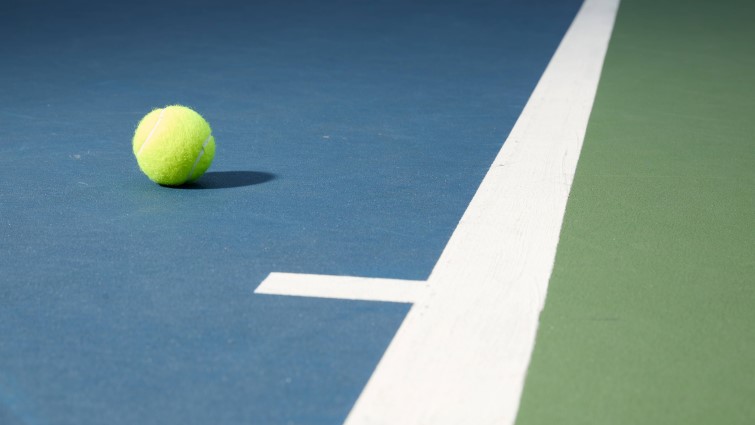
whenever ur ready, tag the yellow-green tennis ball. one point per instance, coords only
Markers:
(173, 145)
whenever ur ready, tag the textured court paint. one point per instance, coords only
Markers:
(351, 137)
(650, 312)
(461, 354)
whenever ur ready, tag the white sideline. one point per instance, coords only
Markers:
(461, 354)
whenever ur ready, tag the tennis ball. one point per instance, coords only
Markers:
(173, 145)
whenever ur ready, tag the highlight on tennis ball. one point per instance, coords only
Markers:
(173, 145)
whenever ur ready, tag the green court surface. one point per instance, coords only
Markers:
(650, 310)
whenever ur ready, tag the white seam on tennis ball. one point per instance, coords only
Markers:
(196, 161)
(159, 118)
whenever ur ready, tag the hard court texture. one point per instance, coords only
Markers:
(351, 137)
(650, 310)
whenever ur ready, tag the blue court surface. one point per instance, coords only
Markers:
(351, 137)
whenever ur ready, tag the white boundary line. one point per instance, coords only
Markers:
(342, 287)
(461, 354)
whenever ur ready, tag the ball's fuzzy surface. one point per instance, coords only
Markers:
(173, 145)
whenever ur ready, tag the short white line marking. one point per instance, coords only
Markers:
(151, 132)
(461, 354)
(196, 161)
(342, 287)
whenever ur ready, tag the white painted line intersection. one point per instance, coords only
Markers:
(461, 354)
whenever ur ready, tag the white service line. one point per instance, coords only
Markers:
(461, 354)
(342, 287)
